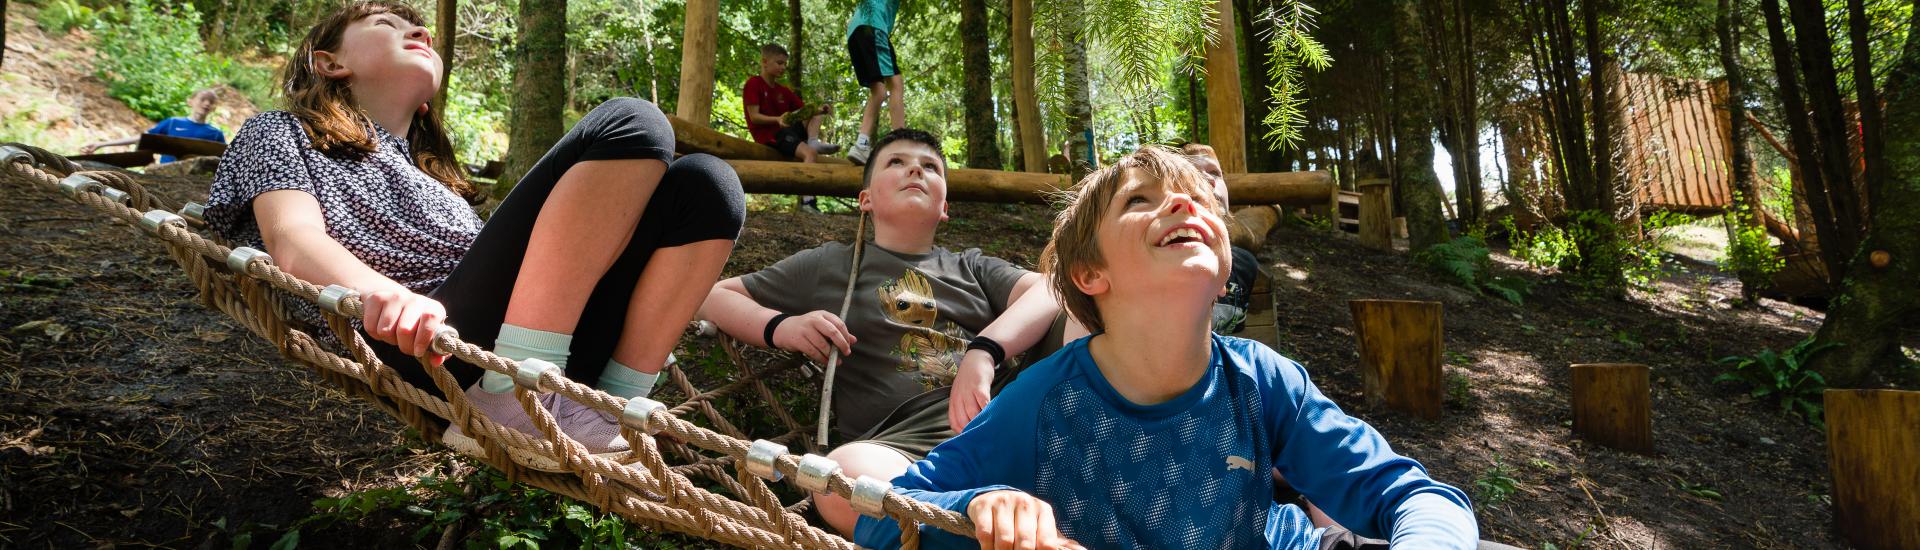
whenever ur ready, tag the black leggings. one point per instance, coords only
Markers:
(699, 199)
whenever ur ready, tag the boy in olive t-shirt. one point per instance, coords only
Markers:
(927, 330)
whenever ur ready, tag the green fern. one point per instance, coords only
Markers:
(1783, 377)
(1465, 260)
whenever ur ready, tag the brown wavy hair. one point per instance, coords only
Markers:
(325, 106)
(1075, 245)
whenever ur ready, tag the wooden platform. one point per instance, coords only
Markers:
(1260, 315)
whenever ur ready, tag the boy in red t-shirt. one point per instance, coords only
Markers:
(778, 118)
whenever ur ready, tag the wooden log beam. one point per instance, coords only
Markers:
(1400, 344)
(1872, 439)
(1612, 406)
(1226, 115)
(1033, 142)
(968, 185)
(698, 53)
(1248, 226)
(690, 138)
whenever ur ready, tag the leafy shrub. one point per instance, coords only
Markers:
(153, 59)
(60, 16)
(1549, 248)
(1495, 485)
(1465, 260)
(1750, 254)
(1783, 377)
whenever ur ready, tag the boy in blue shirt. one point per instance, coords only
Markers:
(1154, 432)
(192, 126)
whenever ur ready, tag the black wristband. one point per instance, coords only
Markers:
(993, 349)
(766, 335)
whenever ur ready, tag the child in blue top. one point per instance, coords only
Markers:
(1154, 432)
(192, 126)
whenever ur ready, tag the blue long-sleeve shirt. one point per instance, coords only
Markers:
(1192, 472)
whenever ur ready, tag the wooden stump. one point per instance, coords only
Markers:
(1873, 437)
(1612, 406)
(1375, 215)
(1400, 354)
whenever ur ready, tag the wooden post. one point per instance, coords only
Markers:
(699, 50)
(1873, 437)
(1612, 406)
(1225, 114)
(1400, 354)
(1376, 212)
(1033, 141)
(446, 26)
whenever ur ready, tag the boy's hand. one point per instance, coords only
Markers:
(1005, 520)
(972, 388)
(404, 319)
(815, 335)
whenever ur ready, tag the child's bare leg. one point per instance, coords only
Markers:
(805, 153)
(857, 459)
(875, 94)
(668, 294)
(896, 101)
(813, 126)
(581, 229)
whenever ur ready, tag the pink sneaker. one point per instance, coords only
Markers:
(598, 432)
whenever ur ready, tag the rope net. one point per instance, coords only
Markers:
(734, 506)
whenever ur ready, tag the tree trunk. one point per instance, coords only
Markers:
(1599, 62)
(1882, 293)
(1225, 113)
(1079, 144)
(698, 52)
(1807, 158)
(1259, 155)
(1742, 168)
(1872, 120)
(1032, 138)
(983, 147)
(796, 44)
(446, 27)
(1829, 128)
(539, 96)
(1419, 191)
(3, 33)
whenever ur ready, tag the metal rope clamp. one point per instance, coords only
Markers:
(762, 458)
(10, 154)
(639, 415)
(195, 212)
(241, 257)
(155, 218)
(528, 377)
(116, 195)
(814, 472)
(870, 496)
(76, 184)
(331, 297)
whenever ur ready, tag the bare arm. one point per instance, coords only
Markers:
(1031, 310)
(295, 231)
(754, 116)
(731, 308)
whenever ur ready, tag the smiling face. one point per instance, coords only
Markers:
(1161, 235)
(384, 49)
(907, 183)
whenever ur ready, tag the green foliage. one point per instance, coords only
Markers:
(1495, 485)
(152, 59)
(1459, 389)
(1290, 49)
(1783, 377)
(1700, 490)
(1750, 253)
(1550, 247)
(1465, 260)
(60, 16)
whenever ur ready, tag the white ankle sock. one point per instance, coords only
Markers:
(518, 343)
(862, 142)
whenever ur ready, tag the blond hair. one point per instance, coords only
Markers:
(1075, 246)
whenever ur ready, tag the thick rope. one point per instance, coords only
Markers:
(642, 486)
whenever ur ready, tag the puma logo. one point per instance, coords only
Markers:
(1234, 462)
